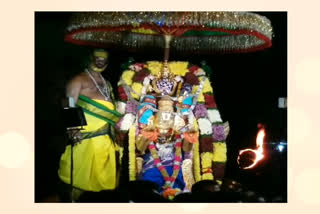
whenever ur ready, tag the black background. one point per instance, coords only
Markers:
(246, 86)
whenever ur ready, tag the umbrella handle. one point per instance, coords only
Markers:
(167, 39)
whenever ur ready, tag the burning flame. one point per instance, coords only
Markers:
(258, 152)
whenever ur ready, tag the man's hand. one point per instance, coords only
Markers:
(75, 135)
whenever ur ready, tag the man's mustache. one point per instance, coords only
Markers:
(101, 64)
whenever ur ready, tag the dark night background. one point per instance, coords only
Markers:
(246, 86)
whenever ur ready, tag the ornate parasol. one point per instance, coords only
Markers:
(195, 32)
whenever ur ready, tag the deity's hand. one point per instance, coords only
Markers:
(147, 135)
(139, 165)
(186, 146)
(142, 144)
(178, 79)
(150, 134)
(191, 136)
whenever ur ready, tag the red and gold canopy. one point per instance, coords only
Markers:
(199, 32)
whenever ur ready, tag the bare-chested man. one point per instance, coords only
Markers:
(95, 157)
(90, 83)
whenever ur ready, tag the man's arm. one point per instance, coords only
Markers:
(111, 90)
(73, 88)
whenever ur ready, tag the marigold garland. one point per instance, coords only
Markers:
(179, 68)
(196, 157)
(170, 193)
(207, 86)
(206, 163)
(201, 98)
(120, 150)
(137, 88)
(127, 76)
(207, 176)
(219, 152)
(132, 153)
(154, 67)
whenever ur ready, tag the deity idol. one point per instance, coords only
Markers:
(176, 135)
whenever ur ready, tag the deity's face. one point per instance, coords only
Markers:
(164, 121)
(100, 62)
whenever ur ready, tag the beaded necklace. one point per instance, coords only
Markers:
(103, 91)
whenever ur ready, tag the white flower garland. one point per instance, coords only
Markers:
(205, 126)
(121, 107)
(127, 122)
(214, 115)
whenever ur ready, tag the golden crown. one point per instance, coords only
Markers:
(165, 104)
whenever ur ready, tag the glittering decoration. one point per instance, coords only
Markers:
(192, 31)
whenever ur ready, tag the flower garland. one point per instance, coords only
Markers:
(196, 157)
(169, 180)
(214, 115)
(120, 107)
(127, 76)
(196, 162)
(177, 68)
(206, 163)
(137, 88)
(205, 126)
(205, 147)
(132, 153)
(154, 67)
(187, 173)
(220, 151)
(208, 119)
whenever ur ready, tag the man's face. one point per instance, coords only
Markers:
(100, 62)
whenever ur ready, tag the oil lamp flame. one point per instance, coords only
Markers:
(258, 152)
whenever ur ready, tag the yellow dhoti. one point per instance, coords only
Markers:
(95, 159)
